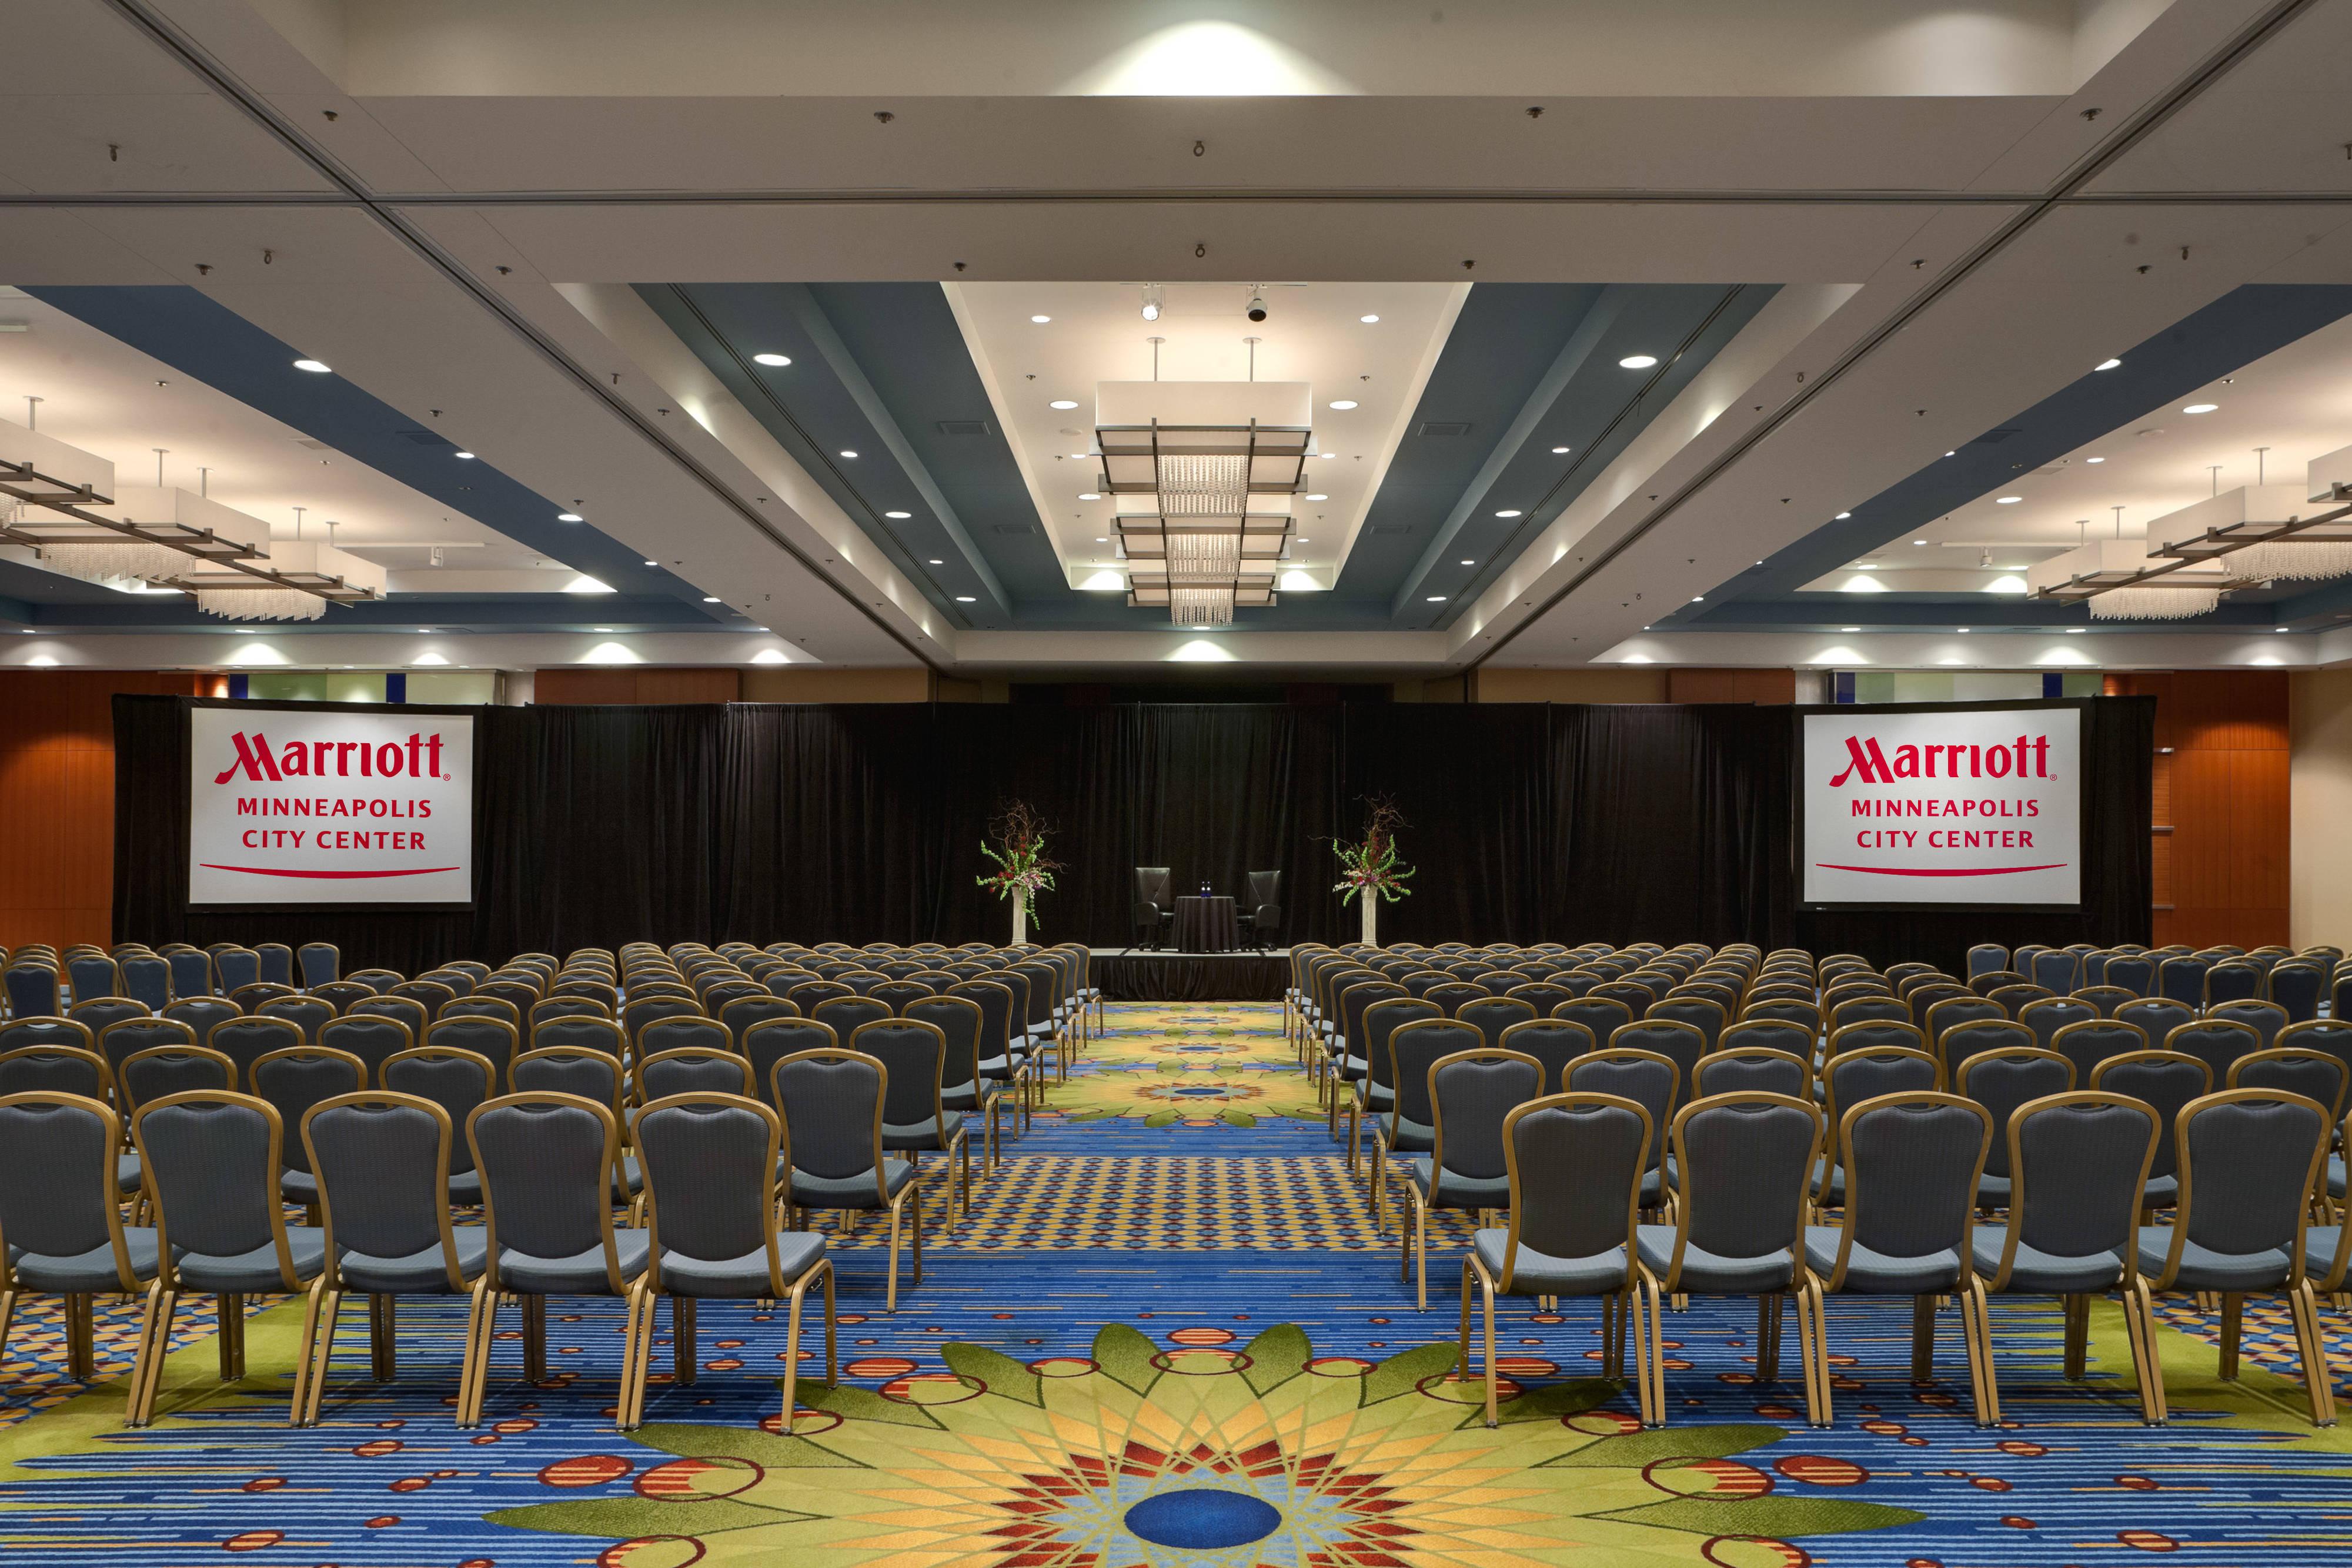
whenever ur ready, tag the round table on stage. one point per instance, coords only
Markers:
(1206, 926)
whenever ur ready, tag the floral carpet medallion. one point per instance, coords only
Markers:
(1208, 1453)
(1188, 1066)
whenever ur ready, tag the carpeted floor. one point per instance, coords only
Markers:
(1168, 1333)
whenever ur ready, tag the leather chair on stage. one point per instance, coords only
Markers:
(1155, 905)
(1262, 911)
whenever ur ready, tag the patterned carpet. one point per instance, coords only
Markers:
(1165, 1341)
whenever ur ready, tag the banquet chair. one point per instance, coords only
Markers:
(1372, 1086)
(832, 1102)
(1262, 913)
(689, 1070)
(1753, 1068)
(1573, 1175)
(1912, 1162)
(676, 1033)
(915, 1115)
(1495, 1015)
(483, 1006)
(493, 1039)
(119, 1042)
(1985, 957)
(2249, 1159)
(2001, 1080)
(1646, 1079)
(1002, 1062)
(306, 1013)
(2181, 978)
(176, 1068)
(49, 1067)
(1850, 1077)
(211, 1158)
(1553, 1043)
(428, 994)
(2056, 971)
(459, 1081)
(1780, 1034)
(2233, 980)
(61, 1228)
(1680, 1043)
(963, 1088)
(318, 962)
(237, 967)
(342, 994)
(1409, 1125)
(1957, 1041)
(1742, 1164)
(2157, 1016)
(586, 1033)
(94, 975)
(2078, 1163)
(2297, 987)
(2093, 1041)
(2267, 1018)
(381, 979)
(147, 979)
(192, 972)
(2331, 1036)
(2164, 1082)
(1470, 1093)
(2317, 1076)
(585, 1070)
(276, 962)
(293, 1079)
(548, 1165)
(245, 1040)
(1155, 905)
(709, 1159)
(383, 1162)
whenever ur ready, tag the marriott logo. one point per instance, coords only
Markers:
(417, 758)
(2025, 758)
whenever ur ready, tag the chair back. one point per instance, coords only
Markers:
(2267, 1019)
(1575, 1163)
(381, 980)
(1985, 957)
(1494, 1016)
(1960, 1041)
(1679, 1043)
(245, 1040)
(202, 1013)
(566, 1008)
(1644, 1077)
(481, 1007)
(913, 1055)
(1415, 1048)
(383, 1161)
(2331, 1036)
(211, 1159)
(710, 1163)
(1953, 1011)
(832, 1104)
(1702, 1014)
(676, 1033)
(846, 1013)
(691, 1070)
(318, 962)
(2316, 1076)
(94, 975)
(100, 1011)
(173, 1068)
(306, 1013)
(1552, 1042)
(2233, 980)
(2181, 978)
(1912, 1164)
(2155, 1015)
(1380, 1021)
(1753, 1068)
(2077, 1165)
(1875, 1036)
(2249, 1161)
(547, 1164)
(2002, 1079)
(581, 1034)
(428, 994)
(2296, 985)
(147, 979)
(47, 1068)
(1854, 1076)
(898, 994)
(119, 1042)
(1602, 1015)
(408, 1011)
(451, 1077)
(1745, 1164)
(59, 1197)
(2094, 1040)
(585, 1070)
(1868, 1008)
(2104, 998)
(1471, 1093)
(340, 995)
(296, 1077)
(2135, 972)
(2164, 1081)
(1541, 995)
(2056, 969)
(192, 972)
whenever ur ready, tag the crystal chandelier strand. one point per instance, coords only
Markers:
(2150, 603)
(260, 603)
(109, 561)
(2282, 560)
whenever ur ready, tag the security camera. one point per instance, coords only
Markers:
(1257, 307)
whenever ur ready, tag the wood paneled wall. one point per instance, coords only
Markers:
(56, 799)
(631, 686)
(1759, 687)
(2222, 804)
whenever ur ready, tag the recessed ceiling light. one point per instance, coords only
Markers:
(1841, 516)
(1079, 456)
(1559, 451)
(1849, 628)
(2094, 460)
(1318, 496)
(1960, 629)
(1637, 362)
(1063, 402)
(425, 630)
(777, 359)
(2007, 500)
(1090, 495)
(2108, 365)
(1341, 403)
(1368, 321)
(1508, 512)
(1102, 539)
(1307, 541)
(710, 599)
(846, 452)
(1041, 320)
(569, 518)
(468, 454)
(653, 563)
(1326, 454)
(600, 628)
(1437, 599)
(964, 598)
(1468, 562)
(1699, 598)
(2279, 629)
(2201, 408)
(316, 367)
(899, 516)
(2078, 630)
(1919, 541)
(1952, 455)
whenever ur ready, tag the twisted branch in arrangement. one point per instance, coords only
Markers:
(1024, 870)
(1372, 862)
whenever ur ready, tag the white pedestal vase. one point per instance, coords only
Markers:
(1371, 903)
(1020, 922)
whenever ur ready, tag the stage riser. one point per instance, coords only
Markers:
(1191, 976)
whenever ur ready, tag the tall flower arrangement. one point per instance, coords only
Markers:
(1370, 868)
(1024, 870)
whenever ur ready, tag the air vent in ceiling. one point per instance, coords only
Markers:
(1016, 530)
(1440, 427)
(964, 427)
(1992, 436)
(425, 437)
(313, 446)
(1390, 530)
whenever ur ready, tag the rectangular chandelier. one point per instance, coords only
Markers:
(1201, 476)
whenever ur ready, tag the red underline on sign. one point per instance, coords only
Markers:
(1922, 871)
(335, 875)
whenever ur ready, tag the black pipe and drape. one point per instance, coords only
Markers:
(1529, 822)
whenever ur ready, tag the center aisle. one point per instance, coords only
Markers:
(1168, 1333)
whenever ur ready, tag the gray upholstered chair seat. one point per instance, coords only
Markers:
(1829, 1185)
(927, 1133)
(2336, 1175)
(2161, 1190)
(797, 1252)
(1876, 1273)
(1352, 1069)
(2040, 1273)
(422, 1272)
(631, 1180)
(961, 1097)
(1000, 1066)
(2203, 1268)
(849, 1191)
(127, 1173)
(246, 1273)
(580, 1274)
(1405, 1133)
(2320, 1244)
(1374, 1096)
(297, 1186)
(1709, 1273)
(466, 1186)
(1992, 1191)
(1539, 1273)
(83, 1271)
(1456, 1190)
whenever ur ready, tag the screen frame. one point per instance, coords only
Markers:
(2081, 705)
(188, 805)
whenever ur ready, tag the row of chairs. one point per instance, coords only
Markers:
(2299, 981)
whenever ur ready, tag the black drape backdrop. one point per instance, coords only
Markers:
(600, 825)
